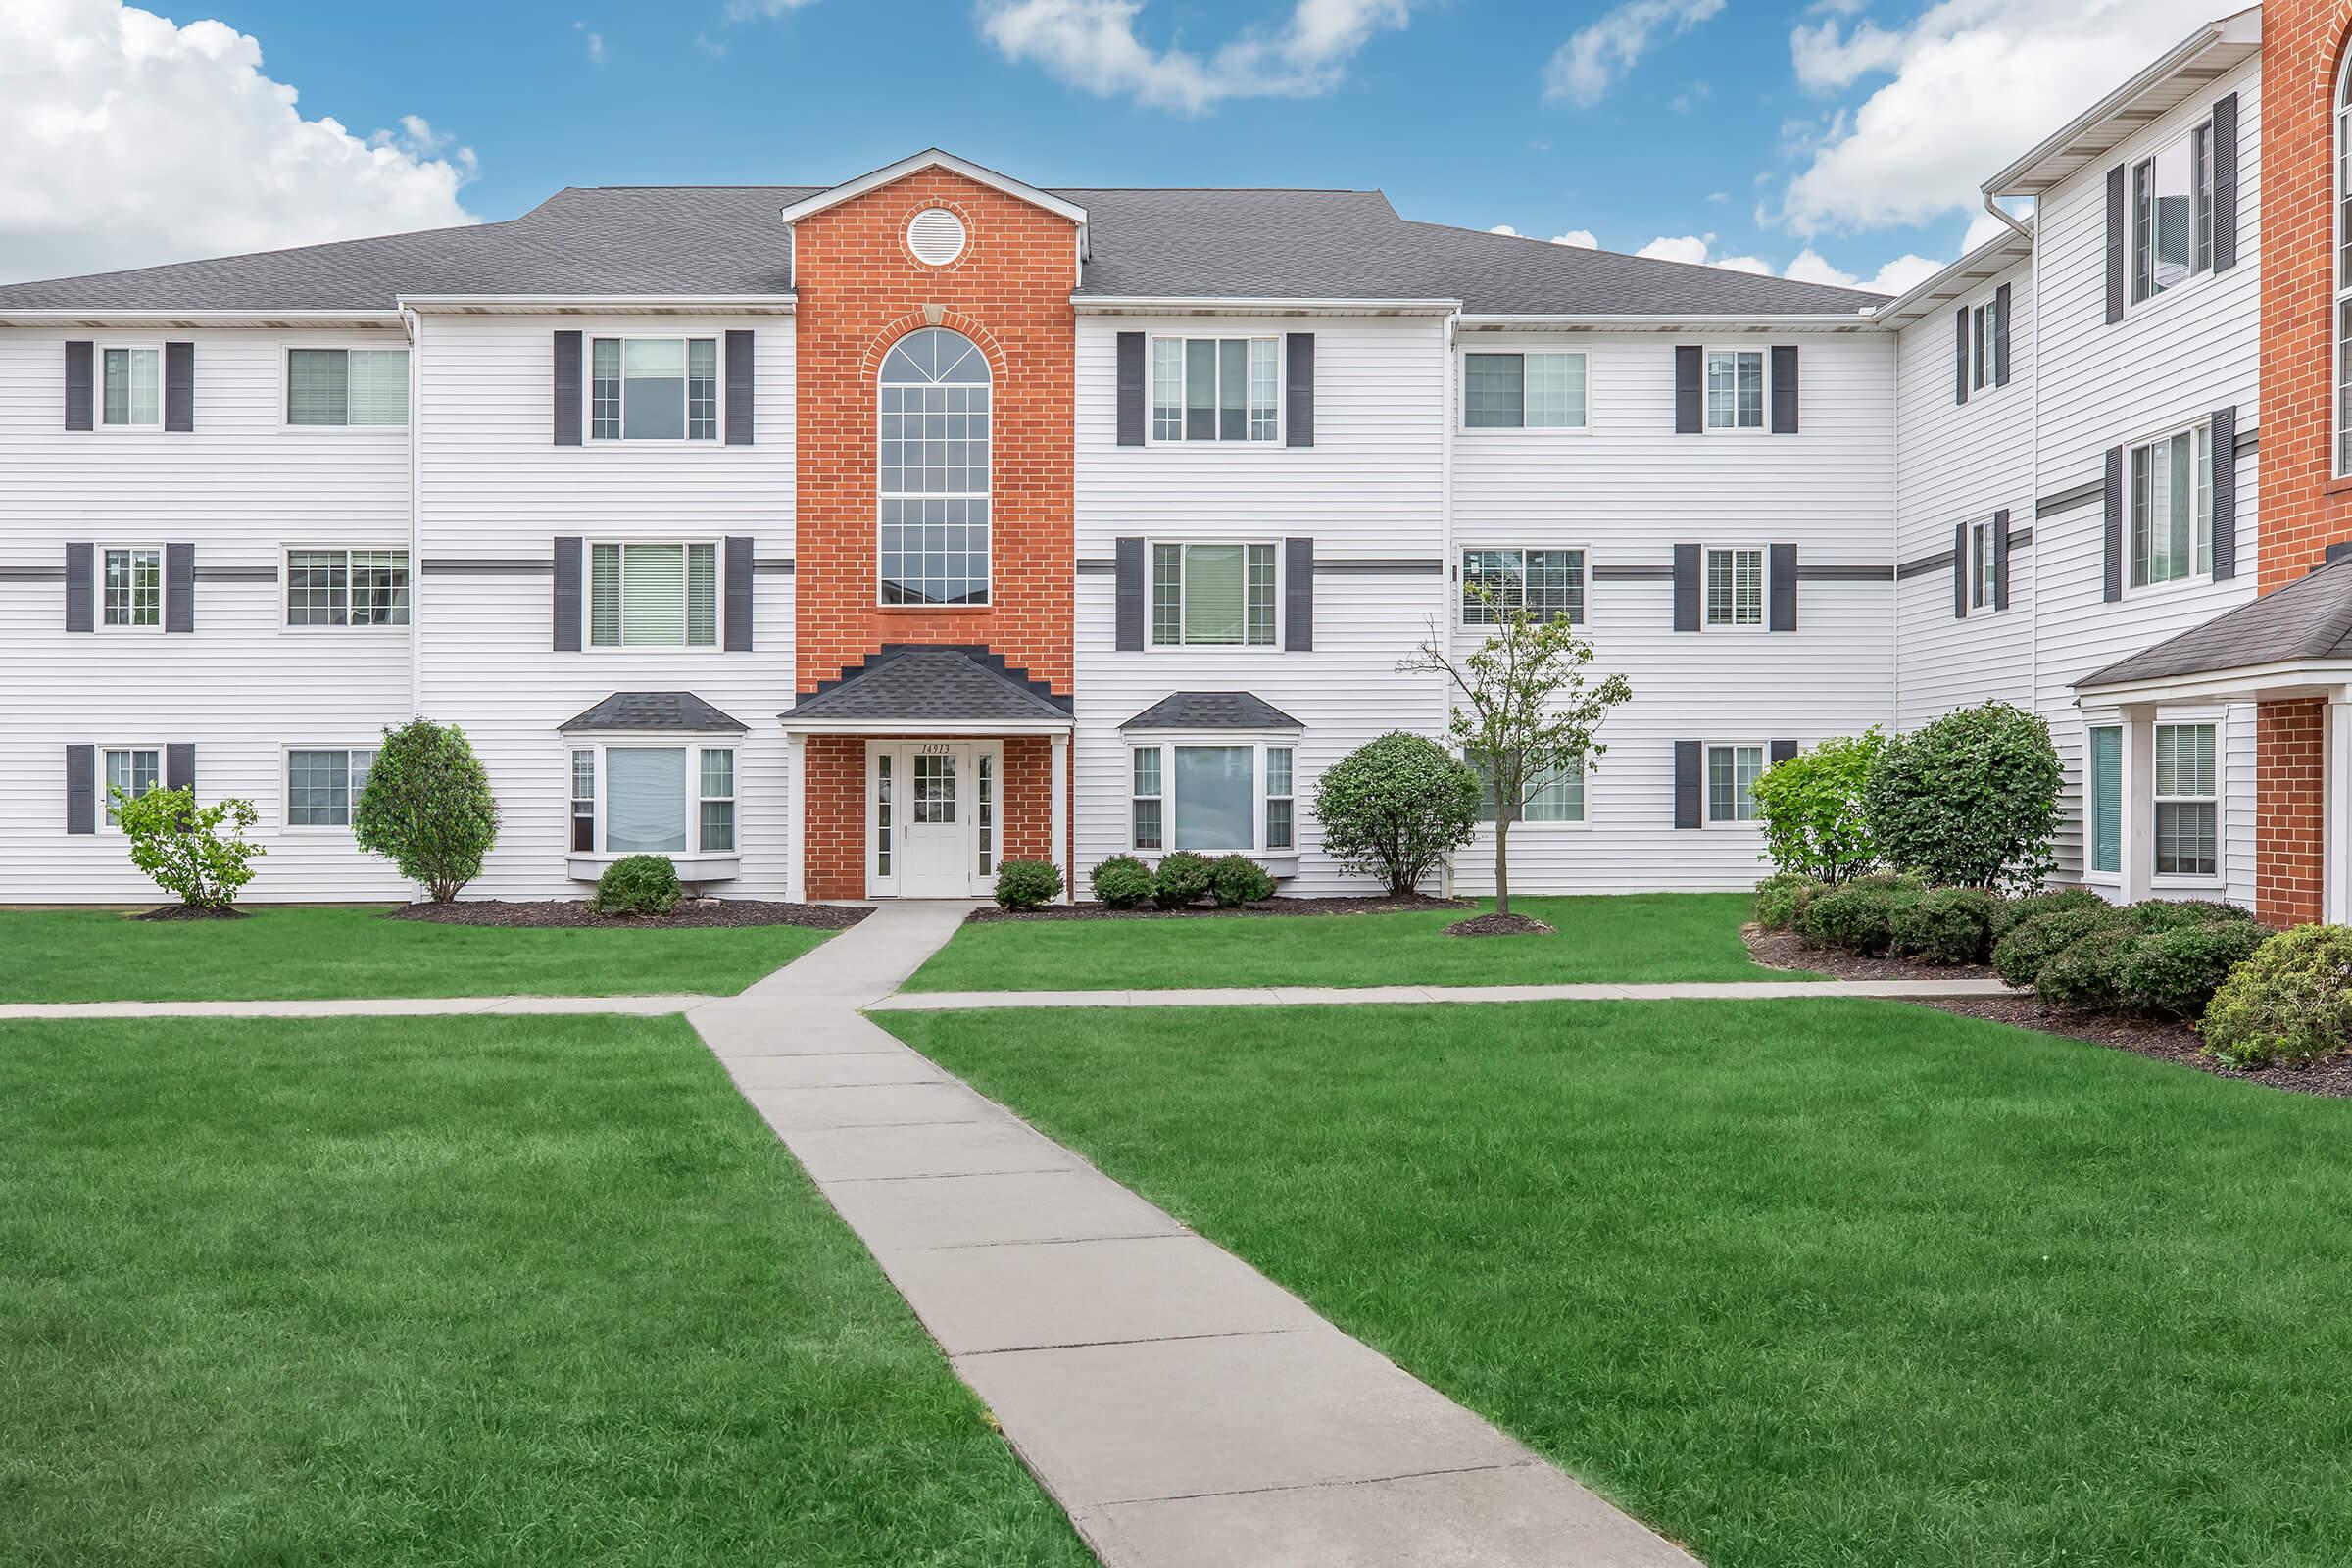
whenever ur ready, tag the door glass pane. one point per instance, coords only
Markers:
(1213, 594)
(934, 790)
(1215, 797)
(2107, 798)
(644, 808)
(987, 824)
(883, 822)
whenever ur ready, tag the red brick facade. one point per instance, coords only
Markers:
(2304, 508)
(861, 290)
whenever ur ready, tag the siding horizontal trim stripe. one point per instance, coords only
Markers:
(1325, 566)
(772, 567)
(1633, 574)
(1805, 574)
(487, 567)
(1098, 567)
(1939, 562)
(2020, 536)
(2081, 495)
(32, 574)
(236, 574)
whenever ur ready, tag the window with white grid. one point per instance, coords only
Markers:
(935, 408)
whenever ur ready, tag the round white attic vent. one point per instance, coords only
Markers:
(936, 237)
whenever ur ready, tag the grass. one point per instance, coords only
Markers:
(299, 952)
(1805, 1284)
(539, 1292)
(1628, 937)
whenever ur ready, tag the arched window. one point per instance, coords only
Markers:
(2344, 266)
(935, 408)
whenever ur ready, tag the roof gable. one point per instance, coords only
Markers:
(930, 158)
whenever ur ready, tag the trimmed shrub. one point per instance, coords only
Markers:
(1948, 925)
(2010, 913)
(1811, 809)
(1027, 884)
(182, 845)
(1237, 879)
(1858, 918)
(2086, 976)
(2177, 971)
(428, 806)
(1183, 878)
(2173, 914)
(2290, 1003)
(1970, 800)
(639, 884)
(1779, 897)
(1122, 882)
(1392, 808)
(2032, 943)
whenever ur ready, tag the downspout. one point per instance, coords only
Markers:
(1444, 623)
(2002, 213)
(414, 325)
(1895, 555)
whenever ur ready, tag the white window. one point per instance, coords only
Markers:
(347, 386)
(2172, 508)
(717, 826)
(1557, 796)
(1735, 587)
(653, 595)
(1216, 389)
(2171, 215)
(1212, 594)
(1731, 774)
(2105, 850)
(131, 587)
(347, 587)
(1983, 321)
(652, 389)
(2343, 269)
(2188, 803)
(1523, 391)
(130, 388)
(935, 470)
(583, 800)
(1735, 389)
(1221, 796)
(323, 784)
(632, 799)
(1981, 563)
(1549, 584)
(134, 770)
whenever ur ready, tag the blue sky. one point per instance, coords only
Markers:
(1827, 139)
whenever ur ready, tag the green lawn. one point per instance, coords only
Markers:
(304, 953)
(516, 1291)
(1630, 937)
(1806, 1284)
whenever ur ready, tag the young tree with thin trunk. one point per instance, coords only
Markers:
(1525, 709)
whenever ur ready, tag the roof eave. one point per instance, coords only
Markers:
(1254, 305)
(2282, 678)
(1669, 321)
(925, 726)
(101, 317)
(1972, 271)
(598, 303)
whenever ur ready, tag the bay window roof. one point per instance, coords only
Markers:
(1200, 711)
(680, 712)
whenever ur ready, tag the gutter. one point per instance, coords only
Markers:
(593, 304)
(416, 329)
(1254, 305)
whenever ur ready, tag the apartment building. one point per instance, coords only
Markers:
(844, 541)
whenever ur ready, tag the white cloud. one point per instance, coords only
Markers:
(1898, 276)
(1594, 56)
(1581, 239)
(1503, 229)
(126, 140)
(596, 43)
(1973, 83)
(1092, 44)
(752, 10)
(1697, 249)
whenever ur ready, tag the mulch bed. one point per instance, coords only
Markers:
(575, 914)
(1498, 926)
(2164, 1039)
(1373, 904)
(191, 911)
(1786, 949)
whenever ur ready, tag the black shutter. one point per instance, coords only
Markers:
(180, 587)
(1299, 389)
(2001, 335)
(2224, 491)
(1960, 368)
(2112, 582)
(2225, 193)
(1690, 381)
(567, 594)
(739, 390)
(81, 789)
(2115, 244)
(79, 381)
(1128, 561)
(1298, 595)
(1131, 391)
(80, 602)
(1686, 587)
(179, 766)
(180, 386)
(1781, 751)
(2000, 560)
(1960, 572)
(739, 595)
(1783, 587)
(567, 391)
(1783, 390)
(1686, 784)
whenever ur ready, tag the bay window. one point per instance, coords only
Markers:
(2104, 849)
(1215, 389)
(1212, 594)
(1523, 391)
(2172, 508)
(1549, 584)
(1216, 794)
(632, 798)
(347, 386)
(2187, 806)
(652, 389)
(653, 595)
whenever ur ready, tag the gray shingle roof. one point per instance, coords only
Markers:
(2310, 618)
(904, 683)
(1212, 710)
(726, 239)
(682, 712)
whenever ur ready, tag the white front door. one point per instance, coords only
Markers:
(931, 818)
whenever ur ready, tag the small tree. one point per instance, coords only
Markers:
(181, 846)
(1393, 808)
(428, 806)
(1814, 825)
(1970, 800)
(1526, 713)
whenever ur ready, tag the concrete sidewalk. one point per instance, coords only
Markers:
(1185, 1410)
(355, 1008)
(1343, 996)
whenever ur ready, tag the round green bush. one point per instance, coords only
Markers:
(1858, 918)
(1778, 898)
(1122, 882)
(1948, 925)
(1237, 879)
(2171, 914)
(2032, 943)
(2010, 913)
(1027, 884)
(2176, 971)
(2292, 1002)
(638, 884)
(1183, 878)
(1393, 808)
(2085, 977)
(1968, 799)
